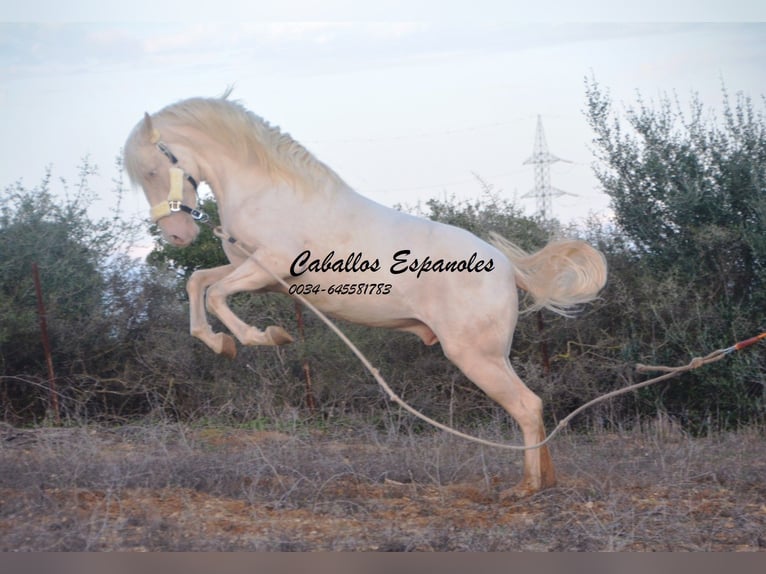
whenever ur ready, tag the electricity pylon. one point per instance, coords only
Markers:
(542, 159)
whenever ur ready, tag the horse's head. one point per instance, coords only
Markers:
(166, 180)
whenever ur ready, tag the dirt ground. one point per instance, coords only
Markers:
(170, 487)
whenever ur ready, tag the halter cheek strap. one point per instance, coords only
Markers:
(175, 196)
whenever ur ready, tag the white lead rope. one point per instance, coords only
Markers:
(671, 371)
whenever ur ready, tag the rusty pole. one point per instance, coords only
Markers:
(54, 399)
(310, 400)
(545, 355)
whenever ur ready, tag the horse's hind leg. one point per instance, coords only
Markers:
(495, 376)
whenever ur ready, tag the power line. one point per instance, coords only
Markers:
(419, 135)
(443, 184)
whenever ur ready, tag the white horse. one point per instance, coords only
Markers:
(351, 257)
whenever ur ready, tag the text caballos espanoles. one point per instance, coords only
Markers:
(401, 262)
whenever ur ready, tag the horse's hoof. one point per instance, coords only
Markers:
(228, 346)
(278, 336)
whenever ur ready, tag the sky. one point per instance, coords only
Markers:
(403, 105)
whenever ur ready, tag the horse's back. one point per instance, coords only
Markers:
(442, 279)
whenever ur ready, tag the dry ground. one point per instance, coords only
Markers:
(172, 487)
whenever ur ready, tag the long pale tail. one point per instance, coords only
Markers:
(560, 276)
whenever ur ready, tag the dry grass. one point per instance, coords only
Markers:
(173, 487)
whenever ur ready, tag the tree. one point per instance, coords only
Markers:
(688, 190)
(76, 257)
(34, 227)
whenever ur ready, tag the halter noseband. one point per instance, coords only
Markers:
(175, 198)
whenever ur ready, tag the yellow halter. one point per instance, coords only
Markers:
(174, 201)
(175, 196)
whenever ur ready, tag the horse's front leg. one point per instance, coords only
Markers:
(198, 325)
(249, 276)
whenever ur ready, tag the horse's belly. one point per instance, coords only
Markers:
(406, 324)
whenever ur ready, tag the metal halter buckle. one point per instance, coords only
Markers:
(200, 216)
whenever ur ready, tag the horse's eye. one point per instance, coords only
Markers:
(151, 174)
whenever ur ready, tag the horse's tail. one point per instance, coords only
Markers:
(560, 276)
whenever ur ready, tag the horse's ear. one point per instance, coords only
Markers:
(149, 131)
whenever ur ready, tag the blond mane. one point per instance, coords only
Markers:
(250, 136)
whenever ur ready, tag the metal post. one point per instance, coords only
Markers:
(545, 356)
(310, 400)
(54, 399)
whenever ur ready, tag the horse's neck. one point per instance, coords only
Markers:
(236, 183)
(246, 186)
(229, 178)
